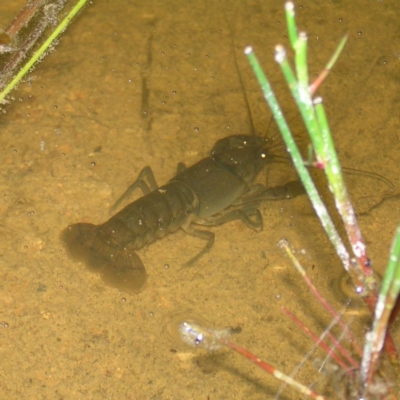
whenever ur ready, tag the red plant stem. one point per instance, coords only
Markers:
(330, 309)
(343, 351)
(320, 78)
(273, 371)
(319, 342)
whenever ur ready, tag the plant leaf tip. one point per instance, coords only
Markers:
(248, 50)
(289, 6)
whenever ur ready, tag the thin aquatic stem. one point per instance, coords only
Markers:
(318, 341)
(196, 335)
(291, 22)
(322, 76)
(294, 152)
(19, 55)
(387, 298)
(318, 129)
(301, 96)
(43, 48)
(300, 57)
(284, 244)
(327, 152)
(273, 371)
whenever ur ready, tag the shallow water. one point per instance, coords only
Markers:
(155, 83)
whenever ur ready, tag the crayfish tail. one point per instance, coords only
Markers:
(119, 266)
(78, 240)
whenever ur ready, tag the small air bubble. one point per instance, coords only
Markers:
(359, 33)
(166, 266)
(162, 53)
(55, 106)
(228, 127)
(174, 92)
(123, 300)
(340, 19)
(15, 150)
(196, 129)
(151, 314)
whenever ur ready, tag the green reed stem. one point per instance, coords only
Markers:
(387, 298)
(40, 53)
(314, 117)
(291, 22)
(293, 149)
(317, 126)
(326, 154)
